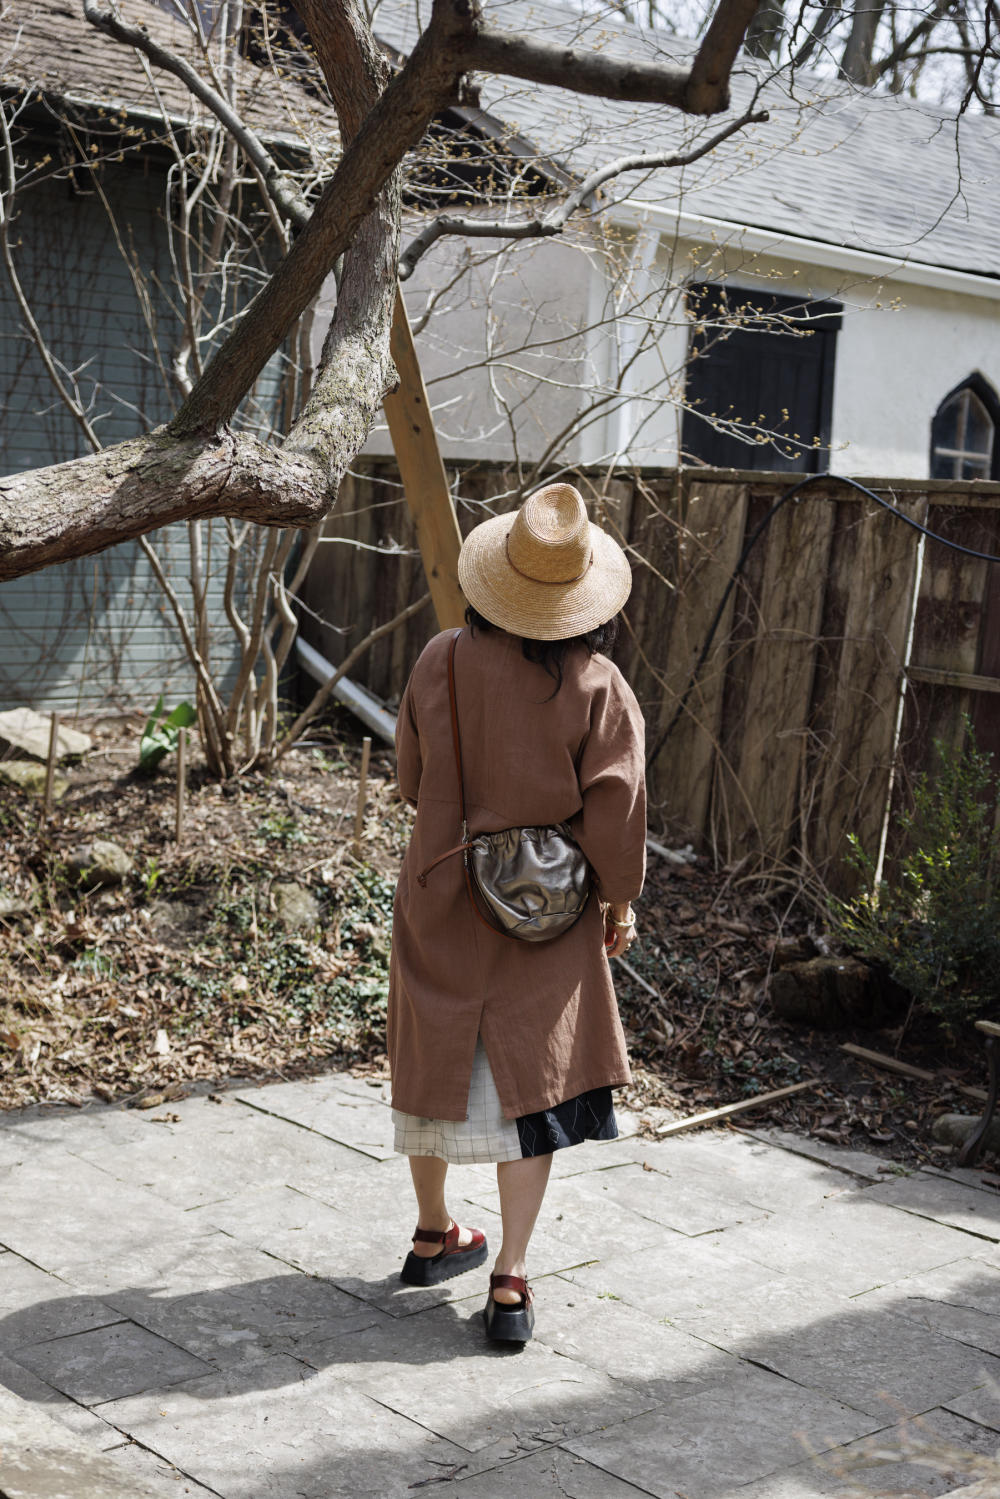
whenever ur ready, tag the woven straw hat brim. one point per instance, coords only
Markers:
(541, 611)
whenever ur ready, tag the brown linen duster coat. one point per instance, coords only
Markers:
(546, 1011)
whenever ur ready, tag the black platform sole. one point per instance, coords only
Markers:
(508, 1324)
(419, 1270)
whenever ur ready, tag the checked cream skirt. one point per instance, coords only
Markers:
(485, 1135)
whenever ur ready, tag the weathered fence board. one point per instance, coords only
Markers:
(694, 562)
(789, 737)
(874, 566)
(764, 801)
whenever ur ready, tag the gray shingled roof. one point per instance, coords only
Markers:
(849, 168)
(48, 45)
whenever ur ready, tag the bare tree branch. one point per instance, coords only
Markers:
(279, 186)
(831, 10)
(708, 88)
(554, 222)
(905, 46)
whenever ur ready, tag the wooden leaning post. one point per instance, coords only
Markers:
(969, 1151)
(425, 483)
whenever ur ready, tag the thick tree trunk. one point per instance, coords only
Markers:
(856, 63)
(73, 509)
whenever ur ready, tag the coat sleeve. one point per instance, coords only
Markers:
(611, 827)
(409, 761)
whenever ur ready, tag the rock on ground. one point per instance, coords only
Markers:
(100, 862)
(296, 908)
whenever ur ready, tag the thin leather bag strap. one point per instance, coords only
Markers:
(456, 739)
(455, 735)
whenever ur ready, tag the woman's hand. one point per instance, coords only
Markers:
(619, 929)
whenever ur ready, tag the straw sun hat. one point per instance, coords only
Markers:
(546, 572)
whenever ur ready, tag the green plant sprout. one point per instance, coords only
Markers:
(159, 738)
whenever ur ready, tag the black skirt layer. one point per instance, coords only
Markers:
(588, 1116)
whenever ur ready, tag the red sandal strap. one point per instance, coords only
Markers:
(449, 1239)
(430, 1235)
(510, 1283)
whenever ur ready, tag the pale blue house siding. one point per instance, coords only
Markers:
(95, 633)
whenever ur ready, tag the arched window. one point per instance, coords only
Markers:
(964, 441)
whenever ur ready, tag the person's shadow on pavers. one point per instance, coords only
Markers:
(136, 1339)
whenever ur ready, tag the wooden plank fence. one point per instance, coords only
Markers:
(845, 648)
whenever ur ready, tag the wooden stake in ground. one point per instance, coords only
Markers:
(50, 766)
(359, 816)
(693, 1120)
(182, 743)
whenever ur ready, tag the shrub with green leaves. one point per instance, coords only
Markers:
(934, 924)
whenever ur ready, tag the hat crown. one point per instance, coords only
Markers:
(549, 540)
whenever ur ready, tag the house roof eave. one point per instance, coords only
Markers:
(635, 212)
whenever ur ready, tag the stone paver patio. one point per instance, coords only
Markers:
(210, 1304)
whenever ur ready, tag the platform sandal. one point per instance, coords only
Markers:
(509, 1323)
(451, 1259)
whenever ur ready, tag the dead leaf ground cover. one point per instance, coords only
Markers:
(186, 975)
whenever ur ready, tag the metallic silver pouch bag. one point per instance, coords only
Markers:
(532, 883)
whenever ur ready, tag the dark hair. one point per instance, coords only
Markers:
(551, 654)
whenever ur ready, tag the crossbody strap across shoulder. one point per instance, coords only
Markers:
(456, 739)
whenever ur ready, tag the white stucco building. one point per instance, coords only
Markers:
(842, 255)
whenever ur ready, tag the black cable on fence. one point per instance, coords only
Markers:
(751, 542)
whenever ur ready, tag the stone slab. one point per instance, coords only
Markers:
(596, 1155)
(782, 1304)
(876, 1362)
(311, 1235)
(314, 1436)
(94, 1433)
(629, 1346)
(277, 1316)
(979, 1177)
(689, 1275)
(222, 1300)
(329, 1107)
(87, 1215)
(552, 1472)
(35, 1306)
(137, 1465)
(752, 1170)
(960, 1301)
(26, 1132)
(213, 1152)
(40, 1459)
(944, 1201)
(473, 1392)
(924, 1458)
(717, 1440)
(110, 1362)
(849, 1162)
(671, 1199)
(849, 1244)
(581, 1209)
(982, 1405)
